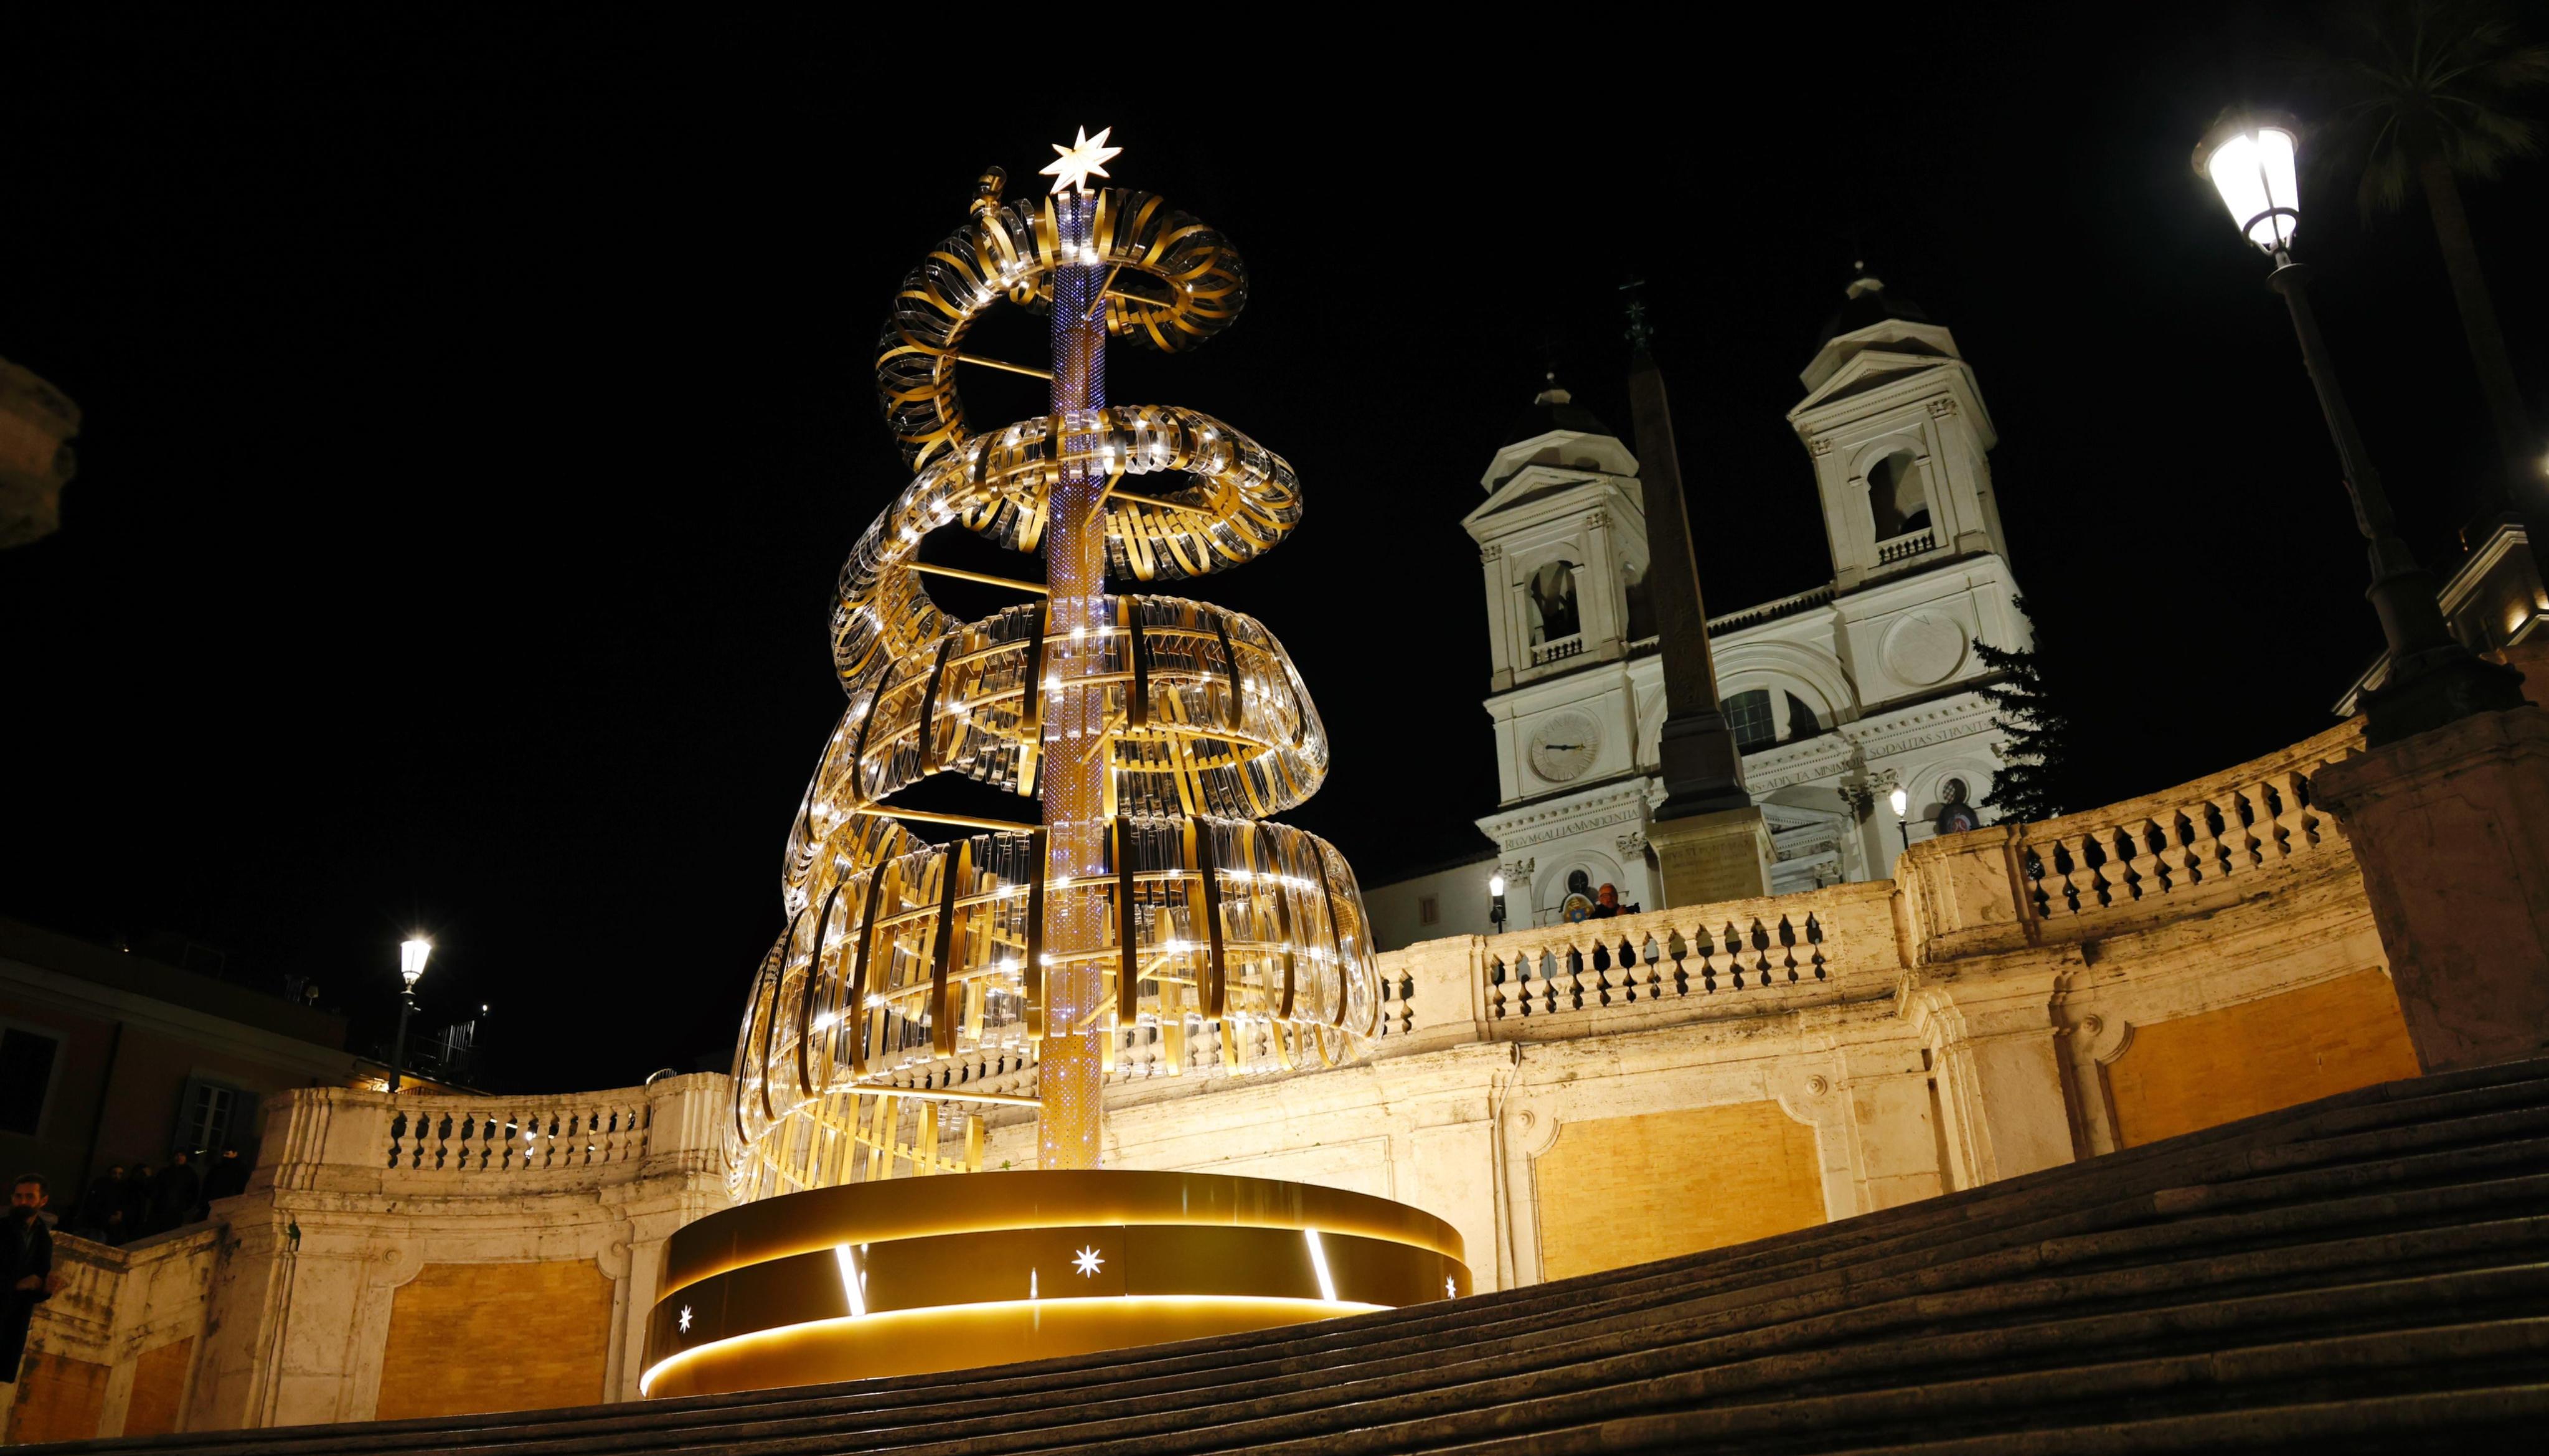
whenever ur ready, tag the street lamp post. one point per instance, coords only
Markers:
(1902, 803)
(2432, 680)
(411, 954)
(1496, 901)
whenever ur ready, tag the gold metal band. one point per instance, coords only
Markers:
(759, 1295)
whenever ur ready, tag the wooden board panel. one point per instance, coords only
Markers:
(472, 1337)
(1616, 1191)
(60, 1399)
(158, 1388)
(2218, 1066)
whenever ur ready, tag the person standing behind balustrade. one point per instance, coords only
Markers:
(25, 1269)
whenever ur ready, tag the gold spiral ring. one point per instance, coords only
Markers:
(1234, 944)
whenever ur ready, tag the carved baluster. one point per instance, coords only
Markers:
(1815, 945)
(2295, 825)
(2244, 827)
(1601, 975)
(398, 1134)
(2203, 854)
(2061, 894)
(1496, 998)
(2126, 875)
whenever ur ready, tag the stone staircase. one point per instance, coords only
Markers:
(2367, 1273)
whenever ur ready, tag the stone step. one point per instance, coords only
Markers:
(1377, 1417)
(2492, 1353)
(1759, 1363)
(2347, 1242)
(2461, 1422)
(1911, 1299)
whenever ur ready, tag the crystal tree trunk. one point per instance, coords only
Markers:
(1073, 766)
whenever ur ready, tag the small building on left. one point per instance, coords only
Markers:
(111, 1058)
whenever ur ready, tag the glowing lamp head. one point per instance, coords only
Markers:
(411, 953)
(1901, 802)
(2252, 162)
(1495, 884)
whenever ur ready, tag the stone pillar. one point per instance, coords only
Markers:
(2451, 828)
(1436, 991)
(1999, 1073)
(1894, 1140)
(1703, 858)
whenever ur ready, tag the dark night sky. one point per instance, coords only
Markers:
(476, 421)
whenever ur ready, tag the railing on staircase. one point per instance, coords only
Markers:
(2216, 830)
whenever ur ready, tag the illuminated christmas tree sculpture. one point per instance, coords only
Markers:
(1149, 921)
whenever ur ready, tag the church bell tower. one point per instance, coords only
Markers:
(1900, 440)
(1562, 543)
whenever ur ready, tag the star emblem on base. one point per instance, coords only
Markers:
(685, 1319)
(1086, 1261)
(1450, 1290)
(1082, 160)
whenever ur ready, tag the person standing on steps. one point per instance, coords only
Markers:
(26, 1280)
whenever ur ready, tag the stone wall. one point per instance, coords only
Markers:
(1978, 1018)
(1572, 1098)
(392, 1256)
(113, 1351)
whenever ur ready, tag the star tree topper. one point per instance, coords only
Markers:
(1081, 159)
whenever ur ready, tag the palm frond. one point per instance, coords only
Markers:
(2408, 79)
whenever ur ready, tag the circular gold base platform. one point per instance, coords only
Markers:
(918, 1275)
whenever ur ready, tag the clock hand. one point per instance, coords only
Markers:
(1556, 748)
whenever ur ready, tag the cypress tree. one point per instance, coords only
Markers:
(2034, 768)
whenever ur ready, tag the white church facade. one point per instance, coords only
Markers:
(1839, 695)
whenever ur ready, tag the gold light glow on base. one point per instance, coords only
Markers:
(915, 1276)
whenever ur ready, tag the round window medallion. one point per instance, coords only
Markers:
(1923, 647)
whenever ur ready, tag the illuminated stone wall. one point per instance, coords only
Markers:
(467, 1338)
(1625, 1190)
(2215, 1066)
(1570, 1099)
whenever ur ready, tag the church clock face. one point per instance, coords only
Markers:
(1564, 745)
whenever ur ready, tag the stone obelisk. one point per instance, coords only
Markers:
(1710, 840)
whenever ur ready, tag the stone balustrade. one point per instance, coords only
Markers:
(466, 1135)
(1597, 976)
(1562, 648)
(2177, 854)
(348, 1138)
(1769, 611)
(2215, 832)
